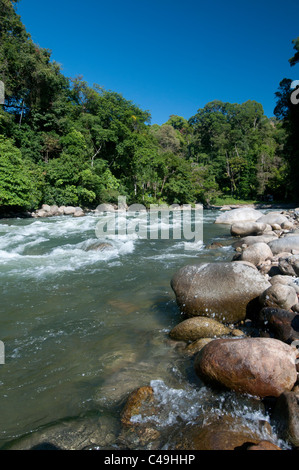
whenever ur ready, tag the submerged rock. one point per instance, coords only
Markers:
(223, 433)
(99, 247)
(223, 291)
(263, 367)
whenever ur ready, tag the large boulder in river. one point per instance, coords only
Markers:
(238, 215)
(224, 291)
(263, 367)
(284, 244)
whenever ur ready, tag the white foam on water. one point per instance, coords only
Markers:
(15, 239)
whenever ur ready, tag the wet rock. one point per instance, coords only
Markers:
(237, 215)
(223, 291)
(224, 433)
(284, 244)
(99, 247)
(140, 404)
(264, 445)
(282, 323)
(257, 253)
(279, 296)
(214, 245)
(261, 367)
(196, 346)
(70, 434)
(139, 430)
(198, 327)
(243, 229)
(286, 417)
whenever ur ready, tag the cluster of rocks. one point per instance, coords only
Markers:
(53, 211)
(240, 318)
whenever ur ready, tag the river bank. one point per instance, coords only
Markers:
(54, 210)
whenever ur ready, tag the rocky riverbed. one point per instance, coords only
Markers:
(240, 328)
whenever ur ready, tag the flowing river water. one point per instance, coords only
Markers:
(83, 328)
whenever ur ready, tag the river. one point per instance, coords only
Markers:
(83, 328)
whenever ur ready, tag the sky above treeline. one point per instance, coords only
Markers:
(170, 56)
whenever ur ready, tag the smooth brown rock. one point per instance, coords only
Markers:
(263, 367)
(139, 400)
(224, 433)
(198, 327)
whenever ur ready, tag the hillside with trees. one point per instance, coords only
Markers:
(64, 142)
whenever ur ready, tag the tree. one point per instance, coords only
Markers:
(19, 182)
(295, 59)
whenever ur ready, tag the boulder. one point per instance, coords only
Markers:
(257, 253)
(264, 445)
(225, 433)
(286, 417)
(237, 215)
(243, 229)
(263, 367)
(273, 218)
(252, 239)
(286, 280)
(46, 208)
(279, 296)
(290, 265)
(69, 210)
(283, 324)
(223, 291)
(284, 244)
(198, 327)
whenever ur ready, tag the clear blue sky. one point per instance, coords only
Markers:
(170, 56)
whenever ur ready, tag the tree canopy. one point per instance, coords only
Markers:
(63, 141)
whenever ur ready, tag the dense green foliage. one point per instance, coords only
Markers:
(66, 143)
